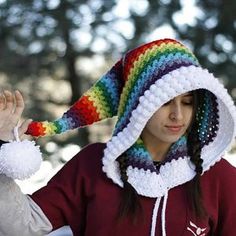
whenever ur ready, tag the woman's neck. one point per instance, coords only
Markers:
(157, 149)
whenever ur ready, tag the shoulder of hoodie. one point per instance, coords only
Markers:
(86, 163)
(88, 158)
(91, 152)
(222, 176)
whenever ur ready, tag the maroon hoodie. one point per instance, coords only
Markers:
(80, 195)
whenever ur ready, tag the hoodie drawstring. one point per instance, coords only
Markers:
(163, 215)
(154, 216)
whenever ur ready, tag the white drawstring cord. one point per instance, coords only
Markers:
(154, 216)
(16, 133)
(163, 215)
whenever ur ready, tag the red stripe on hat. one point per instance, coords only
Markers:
(87, 110)
(134, 54)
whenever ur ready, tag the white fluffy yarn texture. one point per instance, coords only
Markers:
(20, 159)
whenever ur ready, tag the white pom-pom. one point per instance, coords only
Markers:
(20, 159)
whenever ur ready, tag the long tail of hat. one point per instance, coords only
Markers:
(138, 70)
(98, 103)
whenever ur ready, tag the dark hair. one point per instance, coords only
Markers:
(195, 193)
(130, 204)
(194, 152)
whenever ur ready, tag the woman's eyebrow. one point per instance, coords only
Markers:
(188, 94)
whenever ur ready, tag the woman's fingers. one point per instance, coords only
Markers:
(2, 102)
(19, 104)
(14, 107)
(11, 109)
(9, 101)
(24, 126)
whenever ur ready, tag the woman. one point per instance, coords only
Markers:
(162, 171)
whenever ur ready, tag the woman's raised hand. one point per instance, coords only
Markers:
(11, 109)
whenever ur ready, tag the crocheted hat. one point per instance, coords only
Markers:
(134, 89)
(113, 93)
(98, 103)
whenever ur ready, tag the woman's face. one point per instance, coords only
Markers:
(171, 121)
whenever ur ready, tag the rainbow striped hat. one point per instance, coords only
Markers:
(117, 91)
(134, 89)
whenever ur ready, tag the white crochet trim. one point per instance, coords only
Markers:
(178, 171)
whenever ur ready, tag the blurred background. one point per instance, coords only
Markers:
(54, 50)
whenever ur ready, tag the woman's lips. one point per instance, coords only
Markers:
(174, 128)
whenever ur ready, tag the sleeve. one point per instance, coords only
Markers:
(63, 199)
(2, 142)
(227, 201)
(19, 214)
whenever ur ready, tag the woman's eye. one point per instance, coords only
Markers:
(184, 102)
(188, 102)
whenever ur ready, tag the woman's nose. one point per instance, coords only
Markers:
(176, 112)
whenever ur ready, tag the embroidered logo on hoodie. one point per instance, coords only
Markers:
(195, 230)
